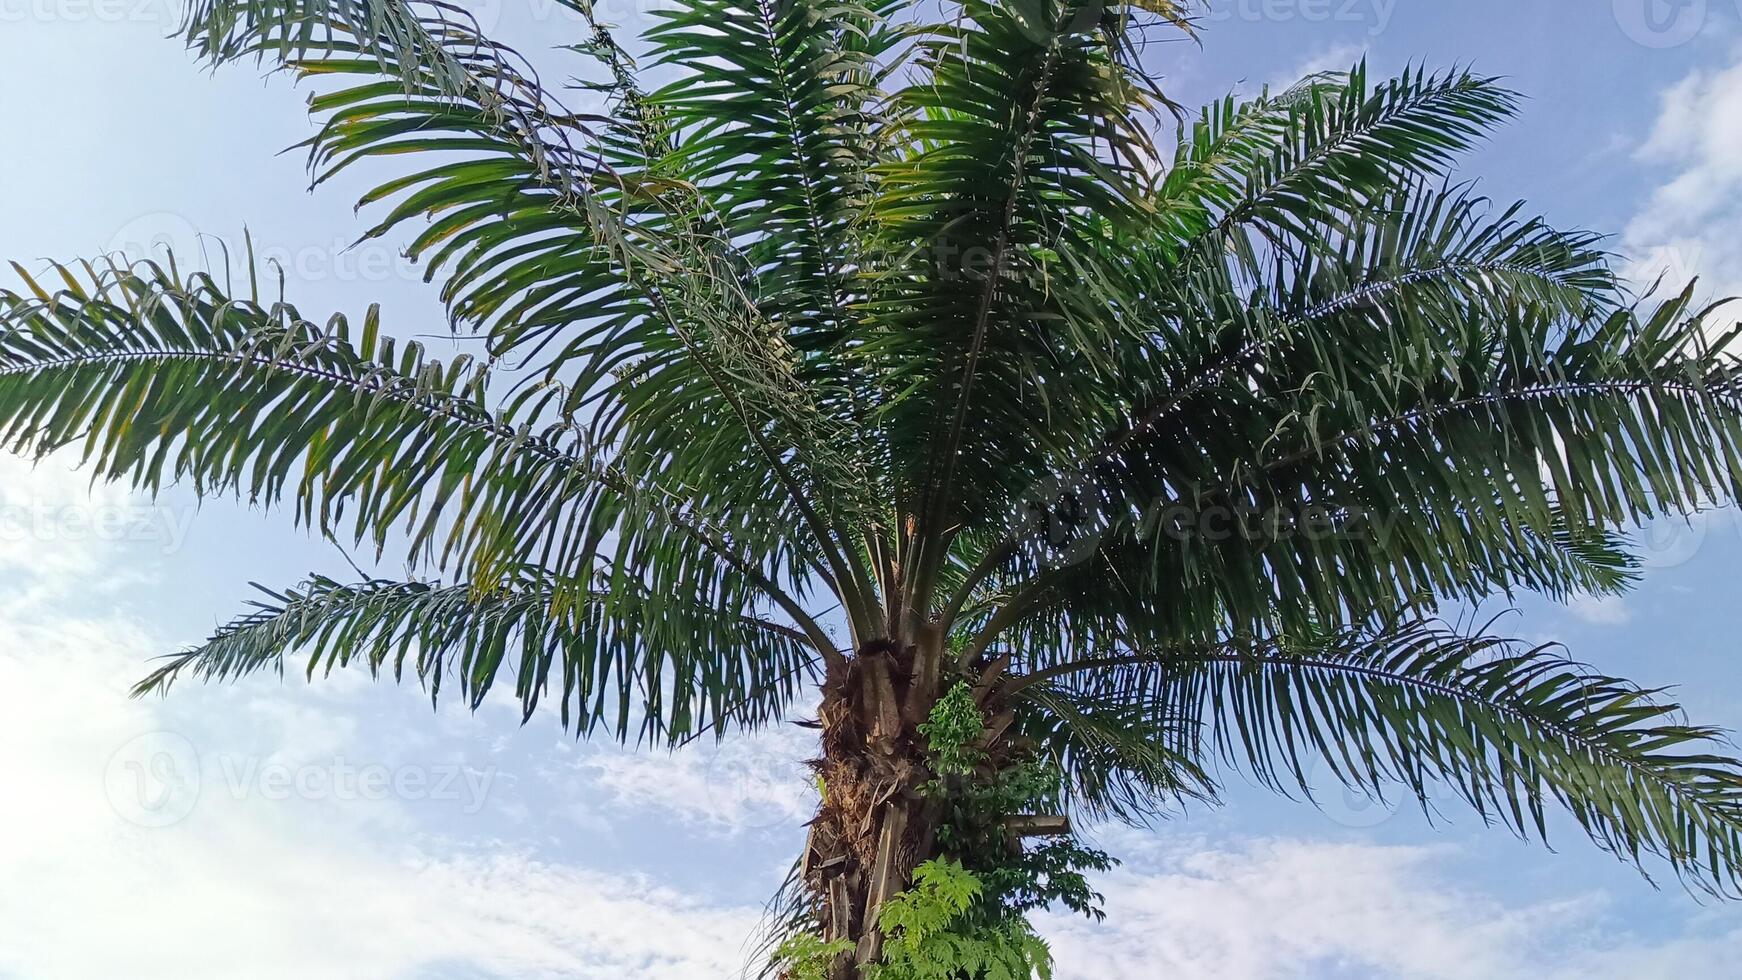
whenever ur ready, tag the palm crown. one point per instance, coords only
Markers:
(905, 328)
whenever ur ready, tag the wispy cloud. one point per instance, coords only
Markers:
(266, 884)
(743, 784)
(1277, 909)
(1335, 58)
(1606, 610)
(224, 833)
(1688, 223)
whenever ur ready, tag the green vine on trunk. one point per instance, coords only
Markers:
(953, 733)
(965, 917)
(934, 934)
(977, 795)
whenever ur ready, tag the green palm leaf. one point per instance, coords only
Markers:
(169, 379)
(615, 659)
(542, 236)
(1509, 727)
(1331, 389)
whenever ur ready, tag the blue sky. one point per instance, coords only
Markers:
(346, 829)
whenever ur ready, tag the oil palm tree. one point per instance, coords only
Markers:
(887, 358)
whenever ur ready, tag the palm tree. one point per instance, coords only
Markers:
(891, 358)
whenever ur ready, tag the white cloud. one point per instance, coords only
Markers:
(37, 501)
(1606, 610)
(745, 783)
(130, 848)
(1284, 909)
(1336, 58)
(256, 885)
(1688, 224)
(1270, 910)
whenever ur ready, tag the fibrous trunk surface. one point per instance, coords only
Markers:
(873, 826)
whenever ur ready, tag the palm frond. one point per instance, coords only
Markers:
(515, 210)
(1024, 139)
(548, 242)
(619, 664)
(1427, 408)
(776, 108)
(168, 378)
(1509, 727)
(1119, 760)
(1328, 147)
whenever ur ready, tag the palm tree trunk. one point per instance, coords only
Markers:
(873, 827)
